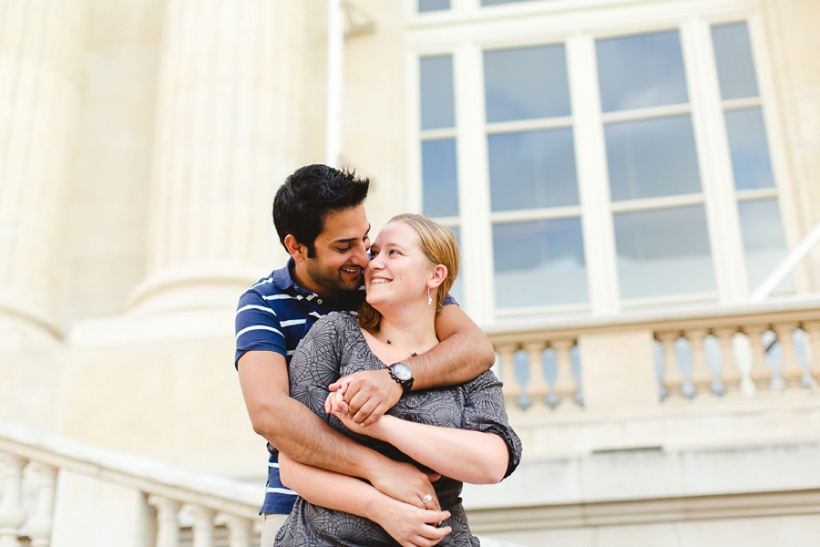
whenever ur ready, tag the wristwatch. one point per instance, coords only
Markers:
(402, 374)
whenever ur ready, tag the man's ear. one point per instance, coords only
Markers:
(438, 276)
(298, 251)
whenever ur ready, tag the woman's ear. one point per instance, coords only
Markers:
(438, 276)
(298, 251)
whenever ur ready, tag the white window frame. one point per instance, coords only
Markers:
(467, 29)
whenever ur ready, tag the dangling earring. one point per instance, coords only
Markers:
(429, 298)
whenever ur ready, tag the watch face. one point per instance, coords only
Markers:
(402, 371)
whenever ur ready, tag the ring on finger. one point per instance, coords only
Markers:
(427, 499)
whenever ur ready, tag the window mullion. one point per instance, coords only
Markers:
(464, 7)
(593, 180)
(714, 160)
(473, 183)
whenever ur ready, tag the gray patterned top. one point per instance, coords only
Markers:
(335, 347)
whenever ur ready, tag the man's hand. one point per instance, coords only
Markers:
(405, 482)
(409, 526)
(369, 394)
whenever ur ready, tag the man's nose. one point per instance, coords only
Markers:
(360, 257)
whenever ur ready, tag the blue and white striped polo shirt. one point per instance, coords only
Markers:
(274, 315)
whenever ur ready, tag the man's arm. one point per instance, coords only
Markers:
(463, 355)
(405, 523)
(292, 428)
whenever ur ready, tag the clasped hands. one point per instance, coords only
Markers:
(368, 394)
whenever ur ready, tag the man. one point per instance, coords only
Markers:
(320, 219)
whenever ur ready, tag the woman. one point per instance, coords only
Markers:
(459, 432)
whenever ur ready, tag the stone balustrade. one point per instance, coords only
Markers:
(537, 391)
(36, 467)
(689, 355)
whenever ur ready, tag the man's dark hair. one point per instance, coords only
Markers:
(309, 195)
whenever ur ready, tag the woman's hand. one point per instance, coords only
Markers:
(370, 393)
(335, 405)
(409, 525)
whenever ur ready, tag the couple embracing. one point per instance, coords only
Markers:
(370, 384)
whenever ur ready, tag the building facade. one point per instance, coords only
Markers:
(622, 176)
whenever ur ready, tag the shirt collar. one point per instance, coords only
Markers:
(283, 279)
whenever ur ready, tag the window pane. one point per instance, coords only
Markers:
(751, 163)
(526, 83)
(457, 290)
(433, 5)
(762, 239)
(641, 71)
(735, 66)
(663, 252)
(437, 104)
(652, 158)
(439, 178)
(532, 169)
(539, 263)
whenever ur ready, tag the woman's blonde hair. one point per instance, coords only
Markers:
(439, 246)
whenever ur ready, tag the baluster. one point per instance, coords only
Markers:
(672, 376)
(565, 384)
(537, 388)
(701, 375)
(239, 529)
(729, 371)
(167, 523)
(512, 391)
(39, 526)
(790, 370)
(812, 328)
(12, 516)
(203, 526)
(761, 373)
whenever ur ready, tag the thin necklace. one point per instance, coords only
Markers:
(390, 343)
(412, 353)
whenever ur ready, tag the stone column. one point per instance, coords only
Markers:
(227, 133)
(41, 58)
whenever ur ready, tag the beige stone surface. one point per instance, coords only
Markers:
(374, 109)
(107, 203)
(98, 514)
(618, 370)
(714, 529)
(41, 56)
(794, 43)
(30, 384)
(178, 402)
(794, 531)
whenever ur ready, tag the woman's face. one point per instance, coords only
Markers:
(398, 271)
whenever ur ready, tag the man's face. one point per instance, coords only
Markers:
(341, 252)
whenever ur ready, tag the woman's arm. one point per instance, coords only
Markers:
(468, 456)
(405, 523)
(483, 451)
